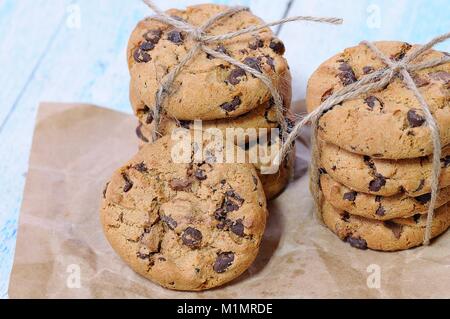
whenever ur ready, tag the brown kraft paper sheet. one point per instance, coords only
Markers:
(61, 251)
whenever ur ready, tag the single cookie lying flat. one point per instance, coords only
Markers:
(385, 124)
(378, 207)
(184, 226)
(382, 177)
(206, 88)
(392, 235)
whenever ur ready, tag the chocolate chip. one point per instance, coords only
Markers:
(141, 56)
(253, 63)
(416, 218)
(420, 81)
(141, 167)
(347, 76)
(326, 95)
(257, 44)
(153, 36)
(277, 46)
(231, 106)
(200, 174)
(220, 48)
(372, 100)
(140, 135)
(270, 62)
(220, 214)
(192, 237)
(368, 69)
(368, 161)
(446, 161)
(423, 199)
(149, 112)
(175, 36)
(170, 222)
(179, 184)
(350, 196)
(105, 189)
(378, 198)
(234, 195)
(128, 183)
(380, 211)
(356, 242)
(230, 206)
(345, 217)
(415, 119)
(223, 261)
(394, 227)
(235, 74)
(376, 184)
(238, 228)
(440, 76)
(147, 46)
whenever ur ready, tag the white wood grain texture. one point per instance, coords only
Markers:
(85, 64)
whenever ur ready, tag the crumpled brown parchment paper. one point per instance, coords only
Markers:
(61, 251)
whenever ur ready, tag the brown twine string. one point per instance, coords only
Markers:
(202, 40)
(375, 81)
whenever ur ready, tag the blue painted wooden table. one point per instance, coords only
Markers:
(74, 51)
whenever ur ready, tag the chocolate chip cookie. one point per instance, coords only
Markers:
(264, 116)
(382, 177)
(377, 207)
(207, 88)
(388, 123)
(189, 226)
(390, 235)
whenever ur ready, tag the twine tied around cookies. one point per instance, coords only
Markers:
(375, 81)
(202, 39)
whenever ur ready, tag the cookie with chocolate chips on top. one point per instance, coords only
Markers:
(388, 123)
(390, 235)
(185, 226)
(206, 88)
(378, 207)
(381, 176)
(263, 116)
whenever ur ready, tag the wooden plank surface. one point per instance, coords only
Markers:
(74, 51)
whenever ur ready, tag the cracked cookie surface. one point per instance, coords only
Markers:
(273, 184)
(382, 177)
(391, 235)
(388, 123)
(184, 226)
(378, 207)
(207, 88)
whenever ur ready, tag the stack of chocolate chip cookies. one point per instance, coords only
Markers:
(196, 225)
(376, 151)
(209, 89)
